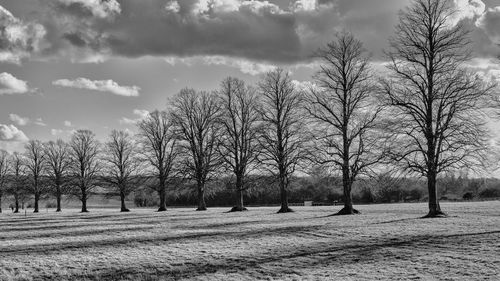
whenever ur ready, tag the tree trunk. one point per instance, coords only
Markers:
(16, 198)
(0, 203)
(239, 196)
(37, 198)
(84, 200)
(58, 198)
(284, 197)
(163, 199)
(434, 208)
(201, 197)
(347, 184)
(123, 207)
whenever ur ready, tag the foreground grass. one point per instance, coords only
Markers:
(385, 242)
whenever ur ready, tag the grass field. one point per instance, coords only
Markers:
(386, 242)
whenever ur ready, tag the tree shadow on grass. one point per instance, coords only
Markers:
(325, 255)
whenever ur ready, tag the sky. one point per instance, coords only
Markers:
(104, 64)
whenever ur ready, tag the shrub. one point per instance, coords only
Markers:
(490, 192)
(50, 205)
(468, 196)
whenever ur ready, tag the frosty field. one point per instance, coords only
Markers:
(384, 242)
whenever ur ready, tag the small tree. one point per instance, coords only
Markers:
(196, 117)
(343, 112)
(58, 159)
(85, 165)
(436, 104)
(122, 164)
(159, 147)
(4, 173)
(240, 125)
(282, 139)
(35, 163)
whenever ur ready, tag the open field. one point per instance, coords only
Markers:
(385, 242)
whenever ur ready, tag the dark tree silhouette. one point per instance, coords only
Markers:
(4, 173)
(196, 118)
(343, 112)
(122, 169)
(57, 155)
(240, 125)
(282, 139)
(85, 164)
(16, 187)
(35, 163)
(159, 148)
(436, 104)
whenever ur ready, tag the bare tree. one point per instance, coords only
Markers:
(282, 139)
(122, 164)
(57, 155)
(35, 164)
(16, 187)
(4, 173)
(343, 112)
(159, 146)
(239, 138)
(436, 104)
(85, 166)
(196, 118)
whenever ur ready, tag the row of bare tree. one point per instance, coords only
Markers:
(424, 115)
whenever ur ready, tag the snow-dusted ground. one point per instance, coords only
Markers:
(386, 242)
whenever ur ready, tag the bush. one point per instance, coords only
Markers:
(490, 192)
(50, 205)
(142, 198)
(468, 196)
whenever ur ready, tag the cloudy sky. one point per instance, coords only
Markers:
(102, 64)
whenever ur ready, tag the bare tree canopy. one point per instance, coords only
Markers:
(85, 164)
(240, 128)
(35, 162)
(122, 164)
(57, 155)
(434, 101)
(196, 118)
(16, 188)
(159, 147)
(344, 113)
(4, 173)
(282, 140)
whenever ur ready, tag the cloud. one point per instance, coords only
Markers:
(467, 9)
(18, 39)
(20, 121)
(99, 85)
(68, 123)
(10, 133)
(244, 65)
(140, 113)
(11, 85)
(56, 132)
(490, 23)
(97, 8)
(39, 122)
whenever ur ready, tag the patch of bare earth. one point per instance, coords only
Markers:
(384, 242)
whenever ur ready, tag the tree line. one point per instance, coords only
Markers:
(423, 115)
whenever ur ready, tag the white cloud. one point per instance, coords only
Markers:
(244, 65)
(11, 85)
(467, 9)
(140, 113)
(98, 8)
(11, 133)
(20, 121)
(173, 6)
(18, 39)
(68, 123)
(490, 23)
(56, 132)
(99, 85)
(39, 122)
(304, 5)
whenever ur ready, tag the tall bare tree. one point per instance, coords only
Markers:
(282, 140)
(35, 163)
(159, 146)
(123, 164)
(436, 103)
(196, 118)
(4, 173)
(85, 164)
(240, 124)
(343, 112)
(57, 155)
